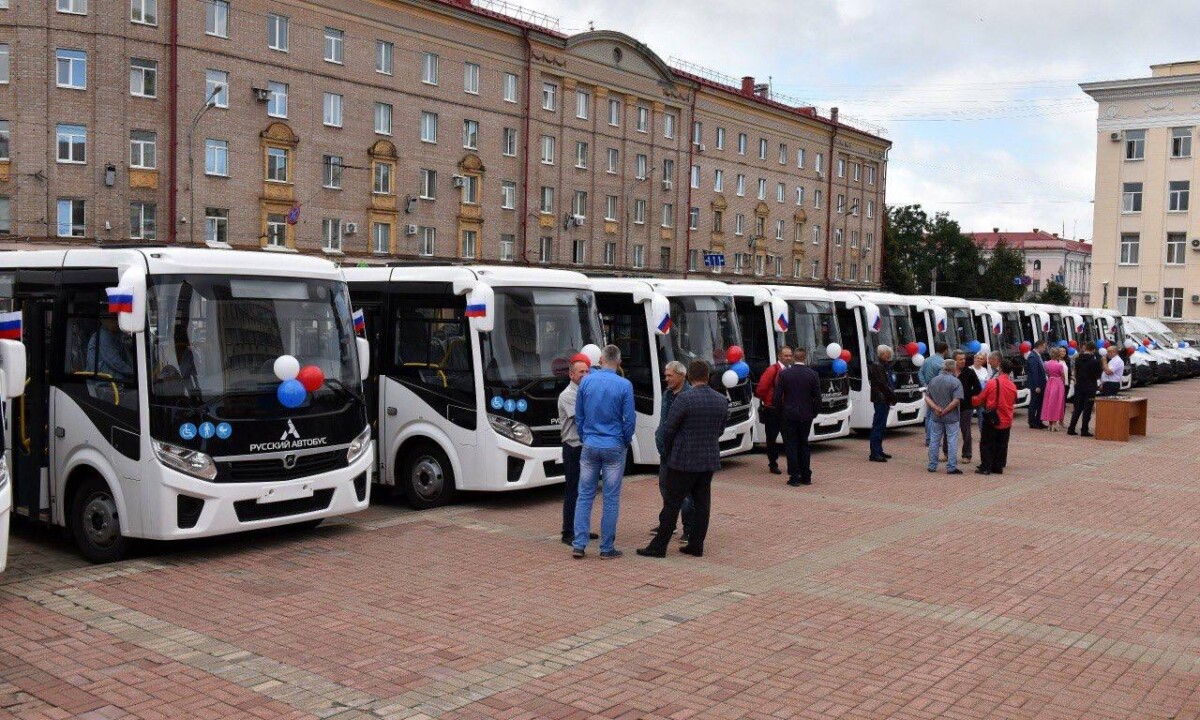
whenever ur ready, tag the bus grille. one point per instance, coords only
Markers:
(737, 416)
(251, 510)
(273, 470)
(547, 438)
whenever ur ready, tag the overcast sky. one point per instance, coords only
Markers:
(980, 99)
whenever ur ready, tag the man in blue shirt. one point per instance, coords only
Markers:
(605, 418)
(929, 370)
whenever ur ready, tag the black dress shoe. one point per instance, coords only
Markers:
(887, 457)
(650, 552)
(806, 482)
(878, 458)
(689, 550)
(1071, 431)
(774, 469)
(955, 471)
(981, 471)
(1085, 433)
(794, 483)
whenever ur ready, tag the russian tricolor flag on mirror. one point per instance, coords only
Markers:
(120, 300)
(782, 322)
(10, 325)
(664, 325)
(476, 311)
(360, 322)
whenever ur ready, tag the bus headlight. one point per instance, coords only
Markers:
(359, 445)
(511, 429)
(191, 462)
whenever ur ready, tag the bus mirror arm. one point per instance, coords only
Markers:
(364, 357)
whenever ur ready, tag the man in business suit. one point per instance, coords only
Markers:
(693, 454)
(1035, 380)
(1087, 380)
(798, 400)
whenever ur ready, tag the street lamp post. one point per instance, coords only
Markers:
(209, 104)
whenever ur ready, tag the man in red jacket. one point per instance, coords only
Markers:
(766, 395)
(998, 396)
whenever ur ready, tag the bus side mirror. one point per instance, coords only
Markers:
(660, 313)
(940, 324)
(12, 369)
(133, 282)
(481, 303)
(874, 317)
(364, 357)
(779, 314)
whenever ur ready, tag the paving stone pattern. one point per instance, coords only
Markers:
(1065, 588)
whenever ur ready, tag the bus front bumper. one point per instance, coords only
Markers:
(909, 413)
(829, 426)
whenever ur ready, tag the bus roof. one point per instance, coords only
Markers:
(800, 292)
(169, 260)
(494, 275)
(947, 302)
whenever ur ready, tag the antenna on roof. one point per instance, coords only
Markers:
(591, 25)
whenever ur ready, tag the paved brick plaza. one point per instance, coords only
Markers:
(1066, 588)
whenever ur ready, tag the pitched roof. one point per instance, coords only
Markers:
(1035, 240)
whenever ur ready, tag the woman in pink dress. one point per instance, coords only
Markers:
(1054, 402)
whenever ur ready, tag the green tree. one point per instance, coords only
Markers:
(1055, 293)
(903, 234)
(916, 246)
(1005, 264)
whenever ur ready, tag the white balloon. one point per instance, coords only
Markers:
(1130, 344)
(286, 367)
(729, 379)
(833, 350)
(593, 352)
(918, 360)
(983, 348)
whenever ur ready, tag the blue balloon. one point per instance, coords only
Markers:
(741, 368)
(1142, 349)
(1100, 344)
(1070, 352)
(291, 393)
(921, 348)
(839, 367)
(1063, 343)
(974, 346)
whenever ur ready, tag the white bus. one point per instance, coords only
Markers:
(948, 320)
(1015, 329)
(179, 393)
(12, 385)
(810, 323)
(1166, 337)
(1110, 326)
(1172, 365)
(702, 325)
(468, 366)
(868, 320)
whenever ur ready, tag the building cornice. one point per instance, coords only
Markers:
(1136, 88)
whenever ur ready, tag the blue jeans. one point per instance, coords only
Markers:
(936, 430)
(878, 425)
(598, 465)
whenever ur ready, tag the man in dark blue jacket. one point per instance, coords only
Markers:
(1035, 380)
(692, 444)
(798, 401)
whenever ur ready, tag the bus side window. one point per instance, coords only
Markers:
(100, 362)
(849, 327)
(432, 347)
(755, 337)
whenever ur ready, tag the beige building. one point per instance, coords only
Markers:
(1146, 239)
(417, 130)
(1048, 258)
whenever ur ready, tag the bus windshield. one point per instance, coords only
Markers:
(1057, 332)
(960, 330)
(1010, 338)
(703, 327)
(895, 330)
(813, 327)
(215, 337)
(537, 331)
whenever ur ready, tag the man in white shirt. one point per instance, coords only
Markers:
(1114, 367)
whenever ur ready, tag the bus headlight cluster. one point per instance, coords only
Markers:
(191, 462)
(359, 445)
(511, 429)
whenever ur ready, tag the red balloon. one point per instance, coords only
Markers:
(311, 377)
(581, 357)
(846, 355)
(912, 348)
(1146, 342)
(1026, 346)
(1073, 344)
(734, 354)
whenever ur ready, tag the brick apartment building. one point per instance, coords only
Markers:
(414, 130)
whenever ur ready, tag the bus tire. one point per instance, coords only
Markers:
(95, 523)
(426, 477)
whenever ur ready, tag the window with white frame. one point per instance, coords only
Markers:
(614, 161)
(740, 187)
(508, 195)
(578, 252)
(640, 167)
(694, 218)
(639, 256)
(333, 110)
(760, 262)
(799, 194)
(610, 208)
(216, 18)
(870, 176)
(720, 138)
(471, 78)
(816, 235)
(614, 112)
(817, 199)
(546, 249)
(383, 118)
(510, 87)
(718, 180)
(583, 104)
(277, 32)
(71, 69)
(610, 253)
(142, 12)
(1135, 144)
(841, 167)
(837, 237)
(73, 7)
(381, 238)
(841, 203)
(639, 212)
(277, 99)
(837, 271)
(72, 217)
(697, 133)
(797, 267)
(815, 270)
(507, 244)
(870, 209)
(143, 217)
(276, 230)
(856, 174)
(853, 238)
(331, 234)
(643, 119)
(509, 142)
(762, 188)
(669, 120)
(429, 127)
(743, 139)
(718, 221)
(471, 134)
(854, 207)
(695, 176)
(470, 239)
(470, 190)
(143, 149)
(581, 154)
(762, 148)
(783, 154)
(739, 260)
(668, 215)
(1127, 300)
(216, 88)
(4, 62)
(216, 157)
(428, 184)
(579, 203)
(549, 149)
(780, 192)
(800, 158)
(777, 263)
(385, 57)
(72, 144)
(760, 226)
(546, 200)
(277, 164)
(381, 178)
(216, 226)
(429, 68)
(332, 175)
(335, 45)
(819, 163)
(1130, 248)
(1131, 197)
(853, 277)
(664, 258)
(1176, 248)
(870, 242)
(426, 241)
(779, 227)
(668, 169)
(1173, 303)
(693, 260)
(1177, 195)
(549, 96)
(739, 224)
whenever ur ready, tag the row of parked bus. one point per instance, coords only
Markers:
(168, 393)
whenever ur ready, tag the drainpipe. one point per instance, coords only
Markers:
(691, 141)
(833, 116)
(173, 108)
(526, 120)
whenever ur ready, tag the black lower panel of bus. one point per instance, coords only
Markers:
(250, 510)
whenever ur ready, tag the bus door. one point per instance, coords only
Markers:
(853, 339)
(34, 292)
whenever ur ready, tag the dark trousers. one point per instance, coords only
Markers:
(1109, 389)
(1035, 406)
(966, 419)
(679, 485)
(795, 444)
(687, 510)
(878, 426)
(1082, 410)
(571, 457)
(993, 448)
(770, 418)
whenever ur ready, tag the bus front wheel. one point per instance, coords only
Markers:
(426, 477)
(95, 523)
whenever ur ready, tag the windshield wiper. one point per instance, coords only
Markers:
(339, 385)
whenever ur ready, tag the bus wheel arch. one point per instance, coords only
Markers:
(424, 473)
(93, 516)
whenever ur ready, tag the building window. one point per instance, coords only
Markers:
(640, 167)
(779, 225)
(142, 221)
(510, 87)
(545, 249)
(549, 96)
(870, 209)
(429, 69)
(664, 258)
(870, 181)
(583, 104)
(614, 112)
(837, 237)
(610, 253)
(853, 272)
(693, 260)
(817, 195)
(695, 176)
(762, 188)
(72, 144)
(216, 18)
(819, 163)
(74, 7)
(841, 167)
(740, 188)
(1130, 243)
(694, 218)
(857, 174)
(382, 179)
(509, 142)
(643, 119)
(72, 69)
(718, 221)
(383, 118)
(426, 241)
(837, 271)
(870, 242)
(739, 224)
(549, 149)
(142, 12)
(1135, 144)
(799, 195)
(1173, 303)
(614, 160)
(4, 63)
(639, 212)
(143, 78)
(854, 207)
(1127, 300)
(385, 57)
(143, 145)
(331, 234)
(639, 256)
(718, 180)
(720, 138)
(1176, 245)
(762, 148)
(216, 157)
(71, 218)
(780, 192)
(742, 140)
(469, 241)
(797, 267)
(815, 270)
(668, 215)
(381, 238)
(507, 244)
(277, 32)
(759, 226)
(1177, 195)
(578, 252)
(470, 190)
(841, 203)
(508, 195)
(697, 132)
(335, 42)
(546, 204)
(581, 155)
(800, 162)
(429, 127)
(333, 172)
(277, 99)
(668, 169)
(428, 184)
(216, 88)
(471, 134)
(817, 236)
(333, 110)
(277, 164)
(471, 78)
(610, 208)
(216, 226)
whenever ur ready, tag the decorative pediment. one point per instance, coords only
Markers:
(278, 133)
(471, 164)
(719, 203)
(762, 209)
(383, 150)
(622, 51)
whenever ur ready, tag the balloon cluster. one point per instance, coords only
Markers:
(840, 358)
(1101, 344)
(738, 369)
(296, 382)
(1074, 345)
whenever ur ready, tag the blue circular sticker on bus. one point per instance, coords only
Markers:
(510, 405)
(207, 430)
(187, 431)
(497, 402)
(522, 405)
(224, 430)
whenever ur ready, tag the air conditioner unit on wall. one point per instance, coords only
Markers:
(410, 229)
(667, 184)
(458, 181)
(1196, 299)
(349, 228)
(1150, 298)
(1196, 243)
(1114, 136)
